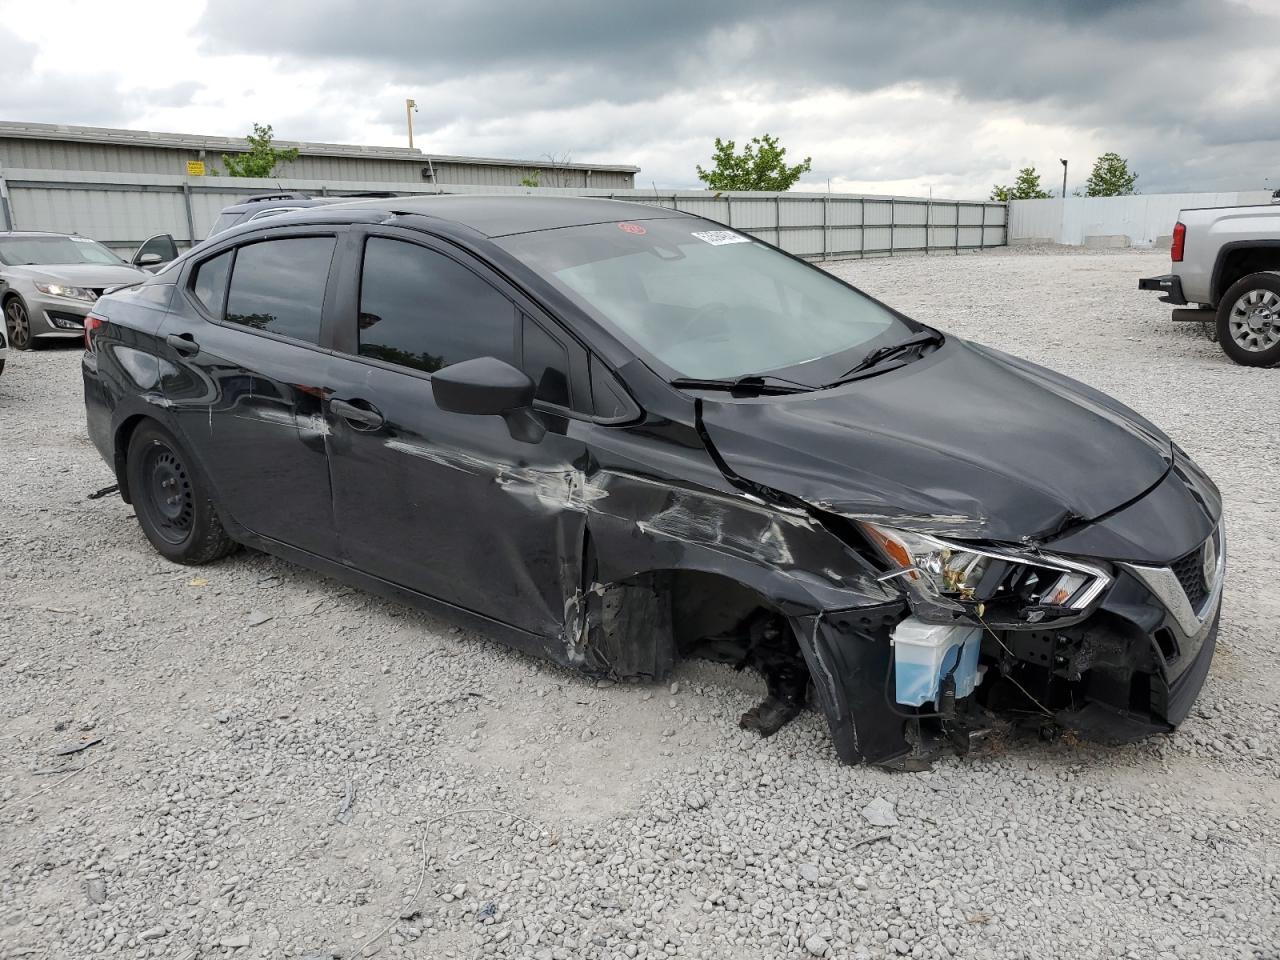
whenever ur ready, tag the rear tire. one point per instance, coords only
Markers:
(173, 507)
(1249, 320)
(17, 323)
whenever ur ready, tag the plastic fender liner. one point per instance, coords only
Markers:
(848, 655)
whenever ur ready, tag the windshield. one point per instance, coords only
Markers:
(51, 250)
(705, 301)
(224, 222)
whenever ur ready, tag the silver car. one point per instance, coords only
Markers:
(49, 281)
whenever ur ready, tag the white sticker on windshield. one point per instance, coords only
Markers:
(80, 239)
(718, 238)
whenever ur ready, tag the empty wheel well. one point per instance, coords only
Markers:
(641, 625)
(710, 605)
(1240, 262)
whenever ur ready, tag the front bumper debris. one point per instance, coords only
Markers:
(1169, 284)
(1130, 669)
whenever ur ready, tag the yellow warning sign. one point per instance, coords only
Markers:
(195, 168)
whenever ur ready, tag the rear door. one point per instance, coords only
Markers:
(443, 503)
(246, 378)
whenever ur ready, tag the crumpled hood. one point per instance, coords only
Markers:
(967, 441)
(80, 274)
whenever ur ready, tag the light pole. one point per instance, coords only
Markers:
(1060, 160)
(410, 108)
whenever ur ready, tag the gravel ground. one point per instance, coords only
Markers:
(291, 768)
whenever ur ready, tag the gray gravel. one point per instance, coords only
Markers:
(291, 768)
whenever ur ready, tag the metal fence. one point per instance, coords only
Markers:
(122, 210)
(835, 226)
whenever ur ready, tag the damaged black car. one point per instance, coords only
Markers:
(617, 435)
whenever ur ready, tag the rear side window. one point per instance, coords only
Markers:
(278, 286)
(210, 283)
(420, 309)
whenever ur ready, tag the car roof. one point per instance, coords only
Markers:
(37, 233)
(500, 216)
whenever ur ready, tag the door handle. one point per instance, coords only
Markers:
(183, 343)
(367, 416)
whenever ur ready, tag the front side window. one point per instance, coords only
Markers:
(705, 301)
(421, 309)
(278, 286)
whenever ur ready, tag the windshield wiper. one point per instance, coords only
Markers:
(880, 354)
(756, 383)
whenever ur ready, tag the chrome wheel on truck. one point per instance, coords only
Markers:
(1249, 320)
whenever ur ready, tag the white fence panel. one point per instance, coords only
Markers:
(1139, 220)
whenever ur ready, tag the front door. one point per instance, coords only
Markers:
(245, 381)
(443, 503)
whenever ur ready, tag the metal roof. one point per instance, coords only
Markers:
(497, 216)
(186, 141)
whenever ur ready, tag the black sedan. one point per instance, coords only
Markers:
(615, 435)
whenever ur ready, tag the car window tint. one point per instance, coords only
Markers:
(278, 286)
(210, 283)
(420, 309)
(547, 363)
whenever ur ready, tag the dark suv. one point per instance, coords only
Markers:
(266, 205)
(615, 435)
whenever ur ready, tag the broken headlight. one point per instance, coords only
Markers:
(1026, 584)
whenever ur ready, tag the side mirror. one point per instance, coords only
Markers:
(158, 249)
(487, 386)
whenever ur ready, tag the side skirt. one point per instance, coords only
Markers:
(523, 640)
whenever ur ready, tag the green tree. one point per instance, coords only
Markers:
(261, 158)
(1026, 187)
(762, 165)
(1110, 177)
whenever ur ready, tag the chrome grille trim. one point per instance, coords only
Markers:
(1164, 583)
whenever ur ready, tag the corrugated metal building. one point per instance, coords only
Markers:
(47, 146)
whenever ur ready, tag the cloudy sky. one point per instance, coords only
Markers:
(885, 96)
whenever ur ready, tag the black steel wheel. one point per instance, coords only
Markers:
(173, 509)
(167, 496)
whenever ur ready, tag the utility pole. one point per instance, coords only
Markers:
(410, 108)
(1060, 160)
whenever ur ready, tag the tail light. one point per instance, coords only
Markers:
(1179, 240)
(91, 325)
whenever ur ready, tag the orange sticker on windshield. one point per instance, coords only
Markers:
(632, 228)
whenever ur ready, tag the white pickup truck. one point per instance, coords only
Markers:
(1226, 269)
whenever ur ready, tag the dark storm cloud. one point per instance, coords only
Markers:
(1098, 61)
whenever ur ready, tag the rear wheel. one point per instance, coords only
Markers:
(17, 323)
(1249, 320)
(174, 510)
